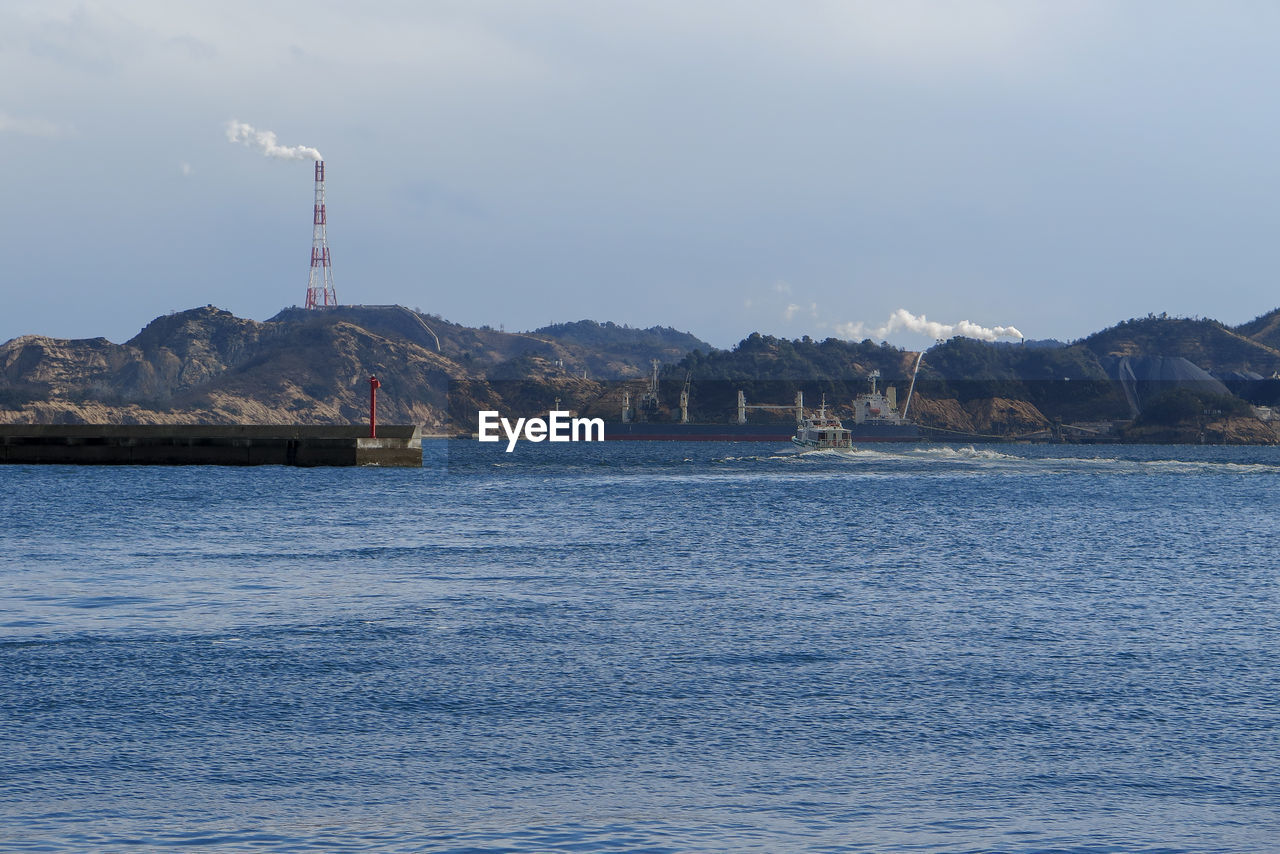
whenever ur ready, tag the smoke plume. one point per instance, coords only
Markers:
(265, 141)
(904, 321)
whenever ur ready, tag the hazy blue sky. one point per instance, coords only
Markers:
(790, 167)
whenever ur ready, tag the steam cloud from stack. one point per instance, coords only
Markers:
(904, 321)
(266, 142)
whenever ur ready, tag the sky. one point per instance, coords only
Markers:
(1037, 169)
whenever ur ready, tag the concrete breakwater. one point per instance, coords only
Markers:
(210, 444)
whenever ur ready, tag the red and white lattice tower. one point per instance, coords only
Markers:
(320, 290)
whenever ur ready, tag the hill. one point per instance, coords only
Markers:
(1207, 344)
(610, 351)
(1264, 328)
(207, 365)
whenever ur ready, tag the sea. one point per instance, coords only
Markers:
(647, 647)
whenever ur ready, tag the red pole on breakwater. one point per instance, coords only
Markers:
(374, 385)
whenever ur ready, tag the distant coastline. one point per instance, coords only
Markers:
(1151, 380)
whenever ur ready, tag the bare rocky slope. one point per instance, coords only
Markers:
(206, 365)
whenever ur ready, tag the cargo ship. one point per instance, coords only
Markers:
(875, 419)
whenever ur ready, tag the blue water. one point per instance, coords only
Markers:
(647, 647)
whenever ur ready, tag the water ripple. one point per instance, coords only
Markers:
(650, 648)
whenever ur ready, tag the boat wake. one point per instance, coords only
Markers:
(953, 460)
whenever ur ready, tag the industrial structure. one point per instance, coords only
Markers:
(320, 292)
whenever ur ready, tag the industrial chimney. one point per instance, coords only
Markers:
(320, 290)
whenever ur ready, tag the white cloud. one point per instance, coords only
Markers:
(29, 126)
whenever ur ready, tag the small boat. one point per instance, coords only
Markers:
(823, 432)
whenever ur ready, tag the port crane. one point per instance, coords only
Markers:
(743, 406)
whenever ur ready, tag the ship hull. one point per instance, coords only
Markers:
(780, 432)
